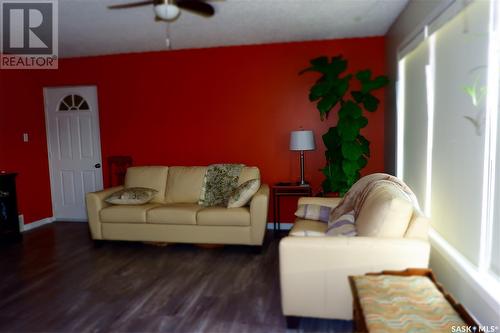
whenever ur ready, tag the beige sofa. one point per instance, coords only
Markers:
(174, 214)
(314, 270)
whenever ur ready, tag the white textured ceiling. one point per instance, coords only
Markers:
(87, 27)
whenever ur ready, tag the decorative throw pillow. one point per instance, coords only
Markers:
(219, 182)
(132, 196)
(343, 226)
(308, 228)
(313, 212)
(243, 193)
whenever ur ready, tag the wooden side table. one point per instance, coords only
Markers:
(279, 190)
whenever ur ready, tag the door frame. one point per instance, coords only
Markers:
(47, 133)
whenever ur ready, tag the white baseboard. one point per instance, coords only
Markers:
(39, 223)
(283, 226)
(71, 220)
(36, 224)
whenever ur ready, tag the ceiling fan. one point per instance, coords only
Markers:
(169, 10)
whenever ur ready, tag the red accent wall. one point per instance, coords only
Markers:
(190, 107)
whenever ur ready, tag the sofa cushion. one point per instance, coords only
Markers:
(184, 184)
(132, 196)
(386, 212)
(303, 227)
(154, 177)
(224, 216)
(313, 212)
(126, 214)
(248, 173)
(177, 213)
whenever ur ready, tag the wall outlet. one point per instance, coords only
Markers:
(21, 222)
(25, 137)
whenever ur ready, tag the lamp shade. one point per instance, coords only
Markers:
(302, 140)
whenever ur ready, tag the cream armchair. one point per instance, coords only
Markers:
(314, 270)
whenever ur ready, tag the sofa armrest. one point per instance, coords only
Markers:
(258, 214)
(314, 270)
(95, 202)
(322, 201)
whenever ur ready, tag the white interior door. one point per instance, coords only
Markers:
(74, 145)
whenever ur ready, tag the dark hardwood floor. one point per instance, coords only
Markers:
(57, 281)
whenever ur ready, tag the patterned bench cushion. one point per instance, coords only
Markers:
(404, 304)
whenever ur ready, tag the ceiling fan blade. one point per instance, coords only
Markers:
(132, 4)
(196, 6)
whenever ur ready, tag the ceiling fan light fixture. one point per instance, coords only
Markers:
(167, 11)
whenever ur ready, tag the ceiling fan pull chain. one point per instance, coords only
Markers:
(168, 40)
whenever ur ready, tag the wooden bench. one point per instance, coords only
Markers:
(393, 301)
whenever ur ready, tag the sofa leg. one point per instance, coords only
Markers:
(98, 243)
(292, 322)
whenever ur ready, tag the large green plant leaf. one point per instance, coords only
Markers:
(320, 89)
(327, 184)
(362, 162)
(358, 96)
(334, 177)
(350, 168)
(336, 66)
(326, 104)
(367, 84)
(331, 138)
(365, 145)
(350, 109)
(370, 102)
(361, 122)
(351, 150)
(341, 85)
(347, 128)
(321, 64)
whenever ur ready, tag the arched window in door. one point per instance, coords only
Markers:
(73, 102)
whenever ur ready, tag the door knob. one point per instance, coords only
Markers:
(97, 165)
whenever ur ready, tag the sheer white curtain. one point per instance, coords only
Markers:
(458, 51)
(415, 120)
(461, 57)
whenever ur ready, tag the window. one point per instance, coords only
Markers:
(449, 149)
(458, 152)
(73, 103)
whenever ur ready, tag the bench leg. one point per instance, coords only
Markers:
(292, 322)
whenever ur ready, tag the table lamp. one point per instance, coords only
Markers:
(301, 141)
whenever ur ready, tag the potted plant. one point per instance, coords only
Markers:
(347, 151)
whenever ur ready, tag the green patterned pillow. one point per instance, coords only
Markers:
(219, 182)
(243, 193)
(132, 196)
